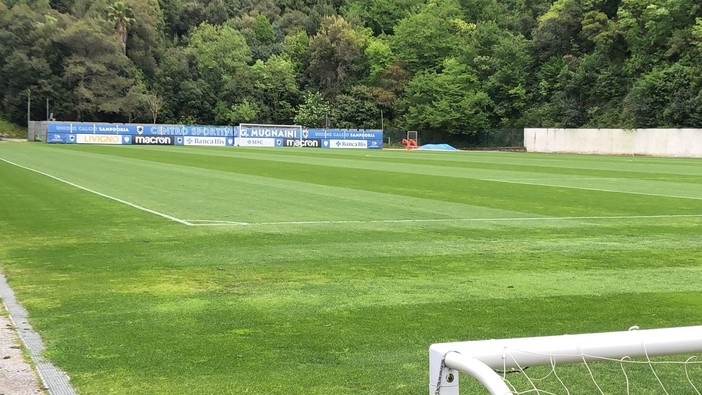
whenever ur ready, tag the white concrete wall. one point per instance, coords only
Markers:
(655, 142)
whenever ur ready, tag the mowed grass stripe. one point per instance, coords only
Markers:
(637, 167)
(675, 181)
(130, 303)
(686, 170)
(221, 195)
(447, 188)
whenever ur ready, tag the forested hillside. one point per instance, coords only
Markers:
(438, 66)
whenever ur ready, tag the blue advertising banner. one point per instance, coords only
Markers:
(203, 135)
(60, 138)
(135, 129)
(90, 128)
(152, 140)
(310, 143)
(183, 130)
(268, 132)
(343, 134)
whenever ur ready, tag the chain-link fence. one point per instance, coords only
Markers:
(497, 139)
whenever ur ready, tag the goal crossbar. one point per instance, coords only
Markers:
(482, 358)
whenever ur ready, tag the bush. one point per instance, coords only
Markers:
(9, 129)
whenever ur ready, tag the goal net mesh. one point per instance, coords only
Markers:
(654, 361)
(608, 376)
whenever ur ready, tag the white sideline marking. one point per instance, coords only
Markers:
(203, 222)
(136, 206)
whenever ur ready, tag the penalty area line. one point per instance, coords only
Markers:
(204, 222)
(130, 204)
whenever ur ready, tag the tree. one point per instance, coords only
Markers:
(422, 41)
(146, 44)
(30, 60)
(313, 112)
(295, 47)
(557, 29)
(236, 113)
(122, 15)
(221, 52)
(275, 81)
(96, 71)
(446, 101)
(666, 97)
(380, 15)
(380, 57)
(335, 55)
(154, 103)
(357, 108)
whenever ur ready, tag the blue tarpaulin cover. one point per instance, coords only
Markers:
(437, 147)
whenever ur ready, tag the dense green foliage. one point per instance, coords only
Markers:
(9, 129)
(338, 268)
(443, 67)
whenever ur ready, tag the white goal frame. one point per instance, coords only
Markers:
(483, 358)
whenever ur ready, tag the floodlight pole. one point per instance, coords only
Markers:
(382, 122)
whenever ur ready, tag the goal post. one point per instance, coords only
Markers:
(487, 360)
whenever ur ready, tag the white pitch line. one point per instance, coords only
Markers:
(136, 206)
(394, 221)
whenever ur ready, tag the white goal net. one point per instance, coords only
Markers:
(626, 362)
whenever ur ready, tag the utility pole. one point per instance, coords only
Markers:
(29, 105)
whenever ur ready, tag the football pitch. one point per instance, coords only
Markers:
(180, 270)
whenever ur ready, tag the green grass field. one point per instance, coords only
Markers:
(152, 270)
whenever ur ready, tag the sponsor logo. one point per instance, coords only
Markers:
(344, 134)
(253, 142)
(86, 127)
(314, 143)
(55, 138)
(169, 130)
(209, 141)
(153, 140)
(363, 135)
(140, 129)
(268, 132)
(99, 139)
(63, 128)
(112, 128)
(208, 131)
(348, 144)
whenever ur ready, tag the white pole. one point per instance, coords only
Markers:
(519, 353)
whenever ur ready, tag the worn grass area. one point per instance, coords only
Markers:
(331, 272)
